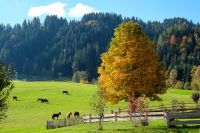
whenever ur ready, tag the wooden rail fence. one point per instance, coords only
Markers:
(174, 119)
(123, 115)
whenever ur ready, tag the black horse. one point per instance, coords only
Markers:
(76, 114)
(56, 115)
(15, 98)
(65, 92)
(43, 100)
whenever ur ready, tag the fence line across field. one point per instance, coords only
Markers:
(190, 106)
(120, 115)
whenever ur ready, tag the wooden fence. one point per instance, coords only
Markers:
(162, 108)
(51, 124)
(151, 113)
(123, 116)
(174, 119)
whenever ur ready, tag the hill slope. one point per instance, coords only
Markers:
(57, 48)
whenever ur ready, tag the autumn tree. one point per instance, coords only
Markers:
(6, 86)
(172, 39)
(195, 84)
(130, 67)
(171, 81)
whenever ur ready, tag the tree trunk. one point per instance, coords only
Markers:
(100, 122)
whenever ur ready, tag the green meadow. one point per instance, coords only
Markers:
(28, 115)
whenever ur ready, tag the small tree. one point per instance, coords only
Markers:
(171, 81)
(80, 76)
(97, 104)
(138, 105)
(179, 85)
(6, 86)
(195, 84)
(187, 86)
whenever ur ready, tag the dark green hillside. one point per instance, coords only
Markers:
(59, 48)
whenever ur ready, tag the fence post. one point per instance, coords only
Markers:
(74, 120)
(119, 110)
(47, 125)
(90, 118)
(167, 119)
(83, 118)
(115, 116)
(111, 111)
(65, 122)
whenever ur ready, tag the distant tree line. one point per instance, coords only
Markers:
(61, 48)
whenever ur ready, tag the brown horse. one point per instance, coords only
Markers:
(69, 115)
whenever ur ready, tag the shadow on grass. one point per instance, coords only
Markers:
(180, 129)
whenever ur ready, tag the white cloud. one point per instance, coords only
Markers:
(56, 8)
(80, 9)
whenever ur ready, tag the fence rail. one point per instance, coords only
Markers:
(168, 107)
(119, 117)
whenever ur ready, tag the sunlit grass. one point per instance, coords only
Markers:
(29, 115)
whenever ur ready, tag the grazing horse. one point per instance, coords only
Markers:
(76, 114)
(65, 92)
(56, 115)
(15, 98)
(69, 114)
(44, 100)
(39, 99)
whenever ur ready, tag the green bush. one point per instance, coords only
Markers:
(195, 84)
(80, 76)
(187, 86)
(179, 85)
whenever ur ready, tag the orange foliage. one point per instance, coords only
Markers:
(131, 66)
(173, 39)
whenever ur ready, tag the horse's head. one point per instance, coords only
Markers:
(59, 113)
(69, 113)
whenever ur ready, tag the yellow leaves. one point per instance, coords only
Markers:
(130, 65)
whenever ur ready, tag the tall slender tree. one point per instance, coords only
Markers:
(6, 86)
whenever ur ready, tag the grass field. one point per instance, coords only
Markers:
(28, 115)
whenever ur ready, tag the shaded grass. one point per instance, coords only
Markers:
(155, 126)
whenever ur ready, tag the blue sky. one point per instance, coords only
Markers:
(15, 11)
